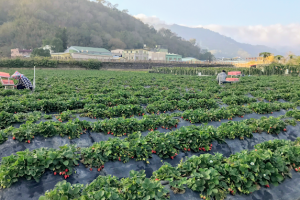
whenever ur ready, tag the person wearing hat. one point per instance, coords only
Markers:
(23, 83)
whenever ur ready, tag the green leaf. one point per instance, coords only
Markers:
(147, 197)
(64, 198)
(66, 163)
(215, 191)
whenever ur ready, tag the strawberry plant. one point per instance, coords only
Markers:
(164, 145)
(4, 134)
(26, 132)
(209, 182)
(237, 100)
(65, 116)
(32, 164)
(294, 113)
(233, 129)
(139, 187)
(194, 163)
(166, 172)
(177, 186)
(195, 138)
(6, 119)
(63, 190)
(271, 125)
(139, 147)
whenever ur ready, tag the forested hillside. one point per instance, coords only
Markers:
(26, 23)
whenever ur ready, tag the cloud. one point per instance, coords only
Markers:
(277, 35)
(273, 35)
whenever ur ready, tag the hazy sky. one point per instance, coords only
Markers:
(274, 23)
(221, 12)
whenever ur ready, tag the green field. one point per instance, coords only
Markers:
(142, 116)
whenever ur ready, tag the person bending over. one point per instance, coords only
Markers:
(221, 78)
(23, 83)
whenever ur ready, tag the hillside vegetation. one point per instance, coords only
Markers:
(26, 23)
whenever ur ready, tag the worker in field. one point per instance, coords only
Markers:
(221, 78)
(23, 83)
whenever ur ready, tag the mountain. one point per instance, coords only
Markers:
(27, 23)
(219, 45)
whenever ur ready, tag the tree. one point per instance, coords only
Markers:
(193, 41)
(278, 58)
(57, 45)
(116, 43)
(125, 11)
(96, 41)
(115, 6)
(47, 42)
(62, 34)
(207, 56)
(40, 53)
(291, 56)
(265, 54)
(101, 1)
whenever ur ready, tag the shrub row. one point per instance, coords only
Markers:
(49, 63)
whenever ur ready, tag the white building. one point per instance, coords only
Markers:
(117, 52)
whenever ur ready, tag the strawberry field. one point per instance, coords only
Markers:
(134, 135)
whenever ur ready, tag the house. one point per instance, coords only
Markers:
(190, 60)
(47, 47)
(173, 57)
(135, 54)
(61, 56)
(20, 53)
(117, 52)
(78, 52)
(154, 56)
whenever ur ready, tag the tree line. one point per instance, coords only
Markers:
(60, 23)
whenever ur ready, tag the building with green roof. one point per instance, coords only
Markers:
(173, 57)
(190, 59)
(87, 50)
(78, 52)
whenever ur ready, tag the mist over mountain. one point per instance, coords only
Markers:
(219, 45)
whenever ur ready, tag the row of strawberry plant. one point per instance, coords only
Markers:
(115, 126)
(100, 110)
(42, 105)
(215, 176)
(54, 103)
(202, 115)
(135, 146)
(7, 119)
(121, 126)
(32, 164)
(191, 138)
(26, 132)
(162, 106)
(238, 100)
(294, 113)
(136, 186)
(139, 147)
(274, 95)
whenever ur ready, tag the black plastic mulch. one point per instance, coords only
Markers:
(24, 189)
